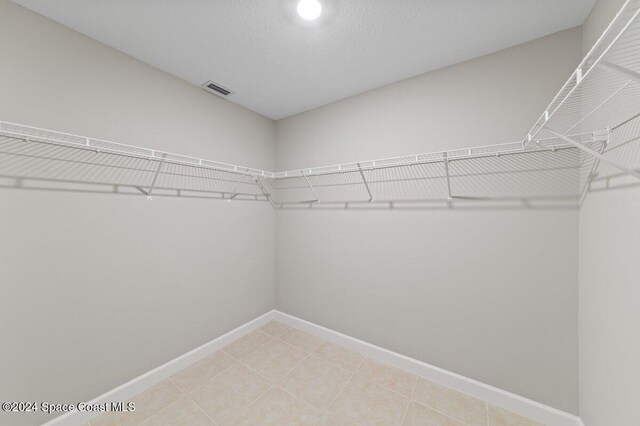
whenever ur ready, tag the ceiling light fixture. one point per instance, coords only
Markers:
(309, 9)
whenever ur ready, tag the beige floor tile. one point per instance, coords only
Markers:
(147, 404)
(501, 417)
(316, 381)
(390, 377)
(202, 371)
(305, 341)
(119, 419)
(275, 328)
(247, 344)
(460, 406)
(223, 397)
(339, 355)
(334, 419)
(419, 415)
(275, 360)
(366, 403)
(277, 407)
(182, 412)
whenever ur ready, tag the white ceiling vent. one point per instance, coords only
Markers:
(217, 89)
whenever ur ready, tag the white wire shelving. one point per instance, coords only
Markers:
(586, 137)
(590, 129)
(60, 160)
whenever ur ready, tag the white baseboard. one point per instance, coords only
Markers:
(512, 402)
(145, 381)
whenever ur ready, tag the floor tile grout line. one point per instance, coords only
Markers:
(339, 367)
(294, 329)
(296, 366)
(317, 358)
(411, 399)
(448, 416)
(342, 388)
(333, 363)
(386, 387)
(93, 420)
(194, 402)
(383, 387)
(235, 362)
(275, 336)
(413, 388)
(255, 350)
(406, 410)
(283, 389)
(306, 354)
(249, 404)
(269, 380)
(457, 392)
(288, 328)
(450, 388)
(435, 409)
(163, 408)
(293, 346)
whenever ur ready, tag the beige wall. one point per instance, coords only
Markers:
(601, 15)
(609, 271)
(97, 289)
(490, 294)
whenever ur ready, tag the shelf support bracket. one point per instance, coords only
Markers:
(595, 154)
(264, 192)
(446, 169)
(234, 193)
(366, 185)
(621, 70)
(155, 177)
(315, 194)
(590, 177)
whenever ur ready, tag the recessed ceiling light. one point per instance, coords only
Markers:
(309, 9)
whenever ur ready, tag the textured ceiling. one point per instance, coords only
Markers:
(279, 66)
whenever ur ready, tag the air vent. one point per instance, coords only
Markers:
(216, 89)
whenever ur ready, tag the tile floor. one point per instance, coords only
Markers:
(278, 375)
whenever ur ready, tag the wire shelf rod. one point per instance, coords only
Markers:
(126, 167)
(99, 145)
(436, 160)
(578, 76)
(596, 154)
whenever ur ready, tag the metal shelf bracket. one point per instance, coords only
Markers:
(621, 70)
(315, 194)
(264, 191)
(234, 193)
(446, 168)
(595, 154)
(366, 185)
(155, 177)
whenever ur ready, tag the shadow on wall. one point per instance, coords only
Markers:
(624, 149)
